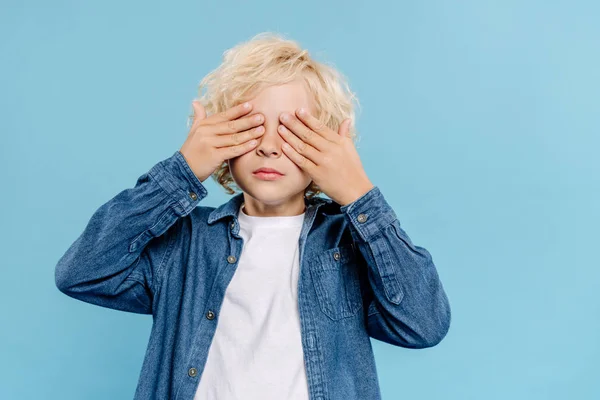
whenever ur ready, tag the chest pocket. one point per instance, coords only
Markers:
(336, 280)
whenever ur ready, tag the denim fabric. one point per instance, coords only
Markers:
(152, 250)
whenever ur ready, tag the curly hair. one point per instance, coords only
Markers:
(270, 59)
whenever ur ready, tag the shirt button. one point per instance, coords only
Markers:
(192, 372)
(231, 259)
(232, 225)
(361, 218)
(193, 195)
(336, 256)
(210, 315)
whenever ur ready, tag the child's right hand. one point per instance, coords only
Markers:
(219, 137)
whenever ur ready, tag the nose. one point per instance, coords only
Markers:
(269, 144)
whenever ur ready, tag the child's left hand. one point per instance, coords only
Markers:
(329, 158)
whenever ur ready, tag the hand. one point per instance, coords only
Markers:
(329, 158)
(219, 137)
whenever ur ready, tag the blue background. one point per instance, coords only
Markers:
(479, 122)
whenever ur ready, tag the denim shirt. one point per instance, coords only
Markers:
(152, 250)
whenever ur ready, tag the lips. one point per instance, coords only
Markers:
(268, 171)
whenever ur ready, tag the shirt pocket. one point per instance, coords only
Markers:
(336, 281)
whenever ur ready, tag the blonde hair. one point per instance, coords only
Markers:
(271, 59)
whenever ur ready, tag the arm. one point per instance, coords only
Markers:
(406, 305)
(117, 260)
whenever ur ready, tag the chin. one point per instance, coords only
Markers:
(272, 195)
(270, 192)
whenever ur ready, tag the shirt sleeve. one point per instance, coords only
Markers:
(405, 303)
(117, 260)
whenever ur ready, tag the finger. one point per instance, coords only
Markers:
(236, 125)
(316, 125)
(198, 114)
(234, 151)
(346, 130)
(230, 114)
(237, 138)
(298, 159)
(299, 146)
(199, 111)
(307, 135)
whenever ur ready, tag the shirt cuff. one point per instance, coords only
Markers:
(176, 177)
(369, 214)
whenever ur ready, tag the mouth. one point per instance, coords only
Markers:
(267, 171)
(267, 174)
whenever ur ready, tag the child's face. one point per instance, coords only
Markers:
(271, 102)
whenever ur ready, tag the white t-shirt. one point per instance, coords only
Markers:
(256, 352)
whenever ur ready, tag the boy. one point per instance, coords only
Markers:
(276, 293)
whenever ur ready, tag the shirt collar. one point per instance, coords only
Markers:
(232, 206)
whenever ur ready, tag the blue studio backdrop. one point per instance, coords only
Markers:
(478, 121)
